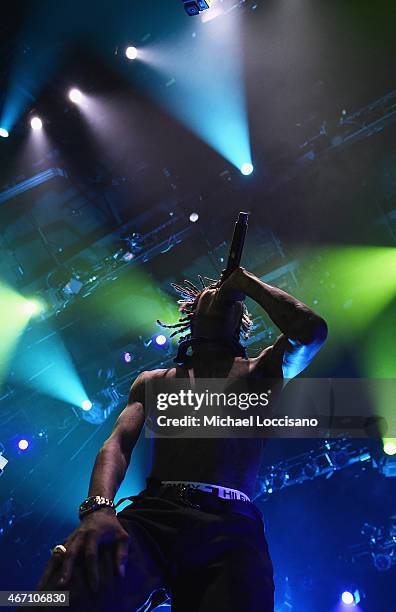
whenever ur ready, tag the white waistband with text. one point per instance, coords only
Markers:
(223, 492)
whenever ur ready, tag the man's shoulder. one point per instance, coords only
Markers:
(148, 375)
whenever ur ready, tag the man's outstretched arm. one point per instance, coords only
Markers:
(102, 525)
(114, 457)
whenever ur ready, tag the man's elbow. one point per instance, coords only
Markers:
(320, 331)
(314, 331)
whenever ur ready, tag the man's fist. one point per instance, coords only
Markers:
(231, 289)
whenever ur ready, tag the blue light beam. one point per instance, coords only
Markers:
(202, 85)
(48, 368)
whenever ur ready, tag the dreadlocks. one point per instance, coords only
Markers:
(189, 295)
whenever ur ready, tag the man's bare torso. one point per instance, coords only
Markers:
(232, 462)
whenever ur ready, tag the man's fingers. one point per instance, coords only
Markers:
(91, 562)
(68, 559)
(122, 550)
(53, 564)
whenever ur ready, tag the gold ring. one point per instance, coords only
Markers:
(59, 548)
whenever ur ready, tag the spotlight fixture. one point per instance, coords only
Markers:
(23, 444)
(194, 217)
(347, 598)
(4, 133)
(390, 447)
(86, 405)
(351, 598)
(382, 562)
(3, 463)
(194, 7)
(160, 340)
(36, 123)
(31, 307)
(131, 53)
(247, 168)
(75, 95)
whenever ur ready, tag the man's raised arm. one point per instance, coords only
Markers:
(295, 320)
(303, 331)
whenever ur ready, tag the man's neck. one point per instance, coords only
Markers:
(213, 348)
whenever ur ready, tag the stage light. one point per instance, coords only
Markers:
(127, 357)
(247, 169)
(191, 8)
(352, 597)
(23, 444)
(31, 307)
(194, 217)
(131, 53)
(204, 4)
(160, 340)
(86, 405)
(382, 562)
(75, 95)
(347, 598)
(36, 123)
(390, 447)
(194, 7)
(4, 133)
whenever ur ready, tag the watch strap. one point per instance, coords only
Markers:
(95, 502)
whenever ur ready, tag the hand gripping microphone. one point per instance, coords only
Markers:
(238, 242)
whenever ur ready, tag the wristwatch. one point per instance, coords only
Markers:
(94, 503)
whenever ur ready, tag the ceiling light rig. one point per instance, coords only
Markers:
(194, 7)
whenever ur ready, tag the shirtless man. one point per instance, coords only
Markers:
(204, 546)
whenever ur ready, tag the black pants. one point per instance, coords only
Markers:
(208, 554)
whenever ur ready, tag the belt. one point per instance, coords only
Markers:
(193, 497)
(222, 492)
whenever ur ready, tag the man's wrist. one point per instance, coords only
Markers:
(248, 283)
(103, 510)
(95, 503)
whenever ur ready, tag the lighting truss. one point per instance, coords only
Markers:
(329, 458)
(366, 122)
(31, 183)
(81, 285)
(378, 544)
(334, 136)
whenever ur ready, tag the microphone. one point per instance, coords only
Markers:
(237, 244)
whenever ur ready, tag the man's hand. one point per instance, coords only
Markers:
(96, 528)
(231, 290)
